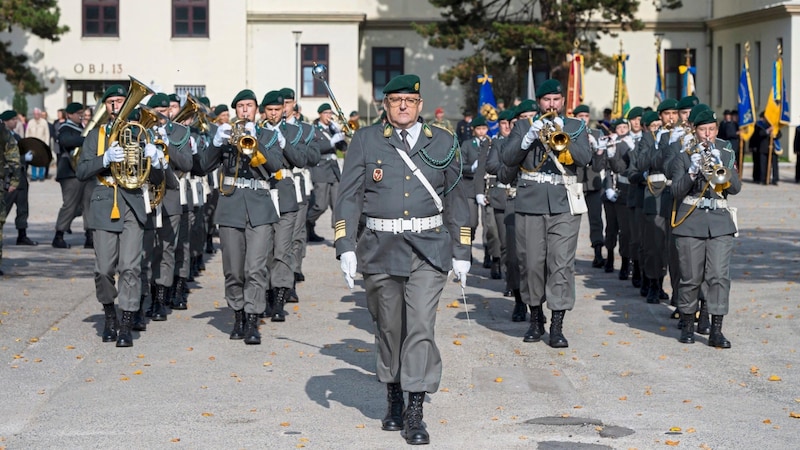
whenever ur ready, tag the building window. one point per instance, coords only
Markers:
(189, 18)
(100, 18)
(196, 90)
(387, 63)
(87, 92)
(309, 55)
(674, 81)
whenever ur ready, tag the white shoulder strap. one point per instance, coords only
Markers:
(421, 177)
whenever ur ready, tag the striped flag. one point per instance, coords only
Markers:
(747, 116)
(687, 74)
(660, 95)
(777, 109)
(622, 103)
(575, 82)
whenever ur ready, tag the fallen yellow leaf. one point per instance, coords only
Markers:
(498, 380)
(691, 430)
(794, 415)
(675, 429)
(137, 372)
(175, 440)
(766, 421)
(624, 398)
(455, 304)
(672, 443)
(296, 308)
(34, 339)
(207, 414)
(284, 424)
(124, 378)
(362, 350)
(577, 407)
(774, 378)
(456, 342)
(361, 425)
(268, 363)
(70, 347)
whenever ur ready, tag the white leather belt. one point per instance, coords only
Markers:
(511, 192)
(659, 177)
(551, 178)
(329, 156)
(415, 224)
(705, 202)
(623, 180)
(283, 173)
(502, 185)
(249, 183)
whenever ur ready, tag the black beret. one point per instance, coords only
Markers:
(287, 93)
(115, 90)
(667, 105)
(158, 100)
(580, 109)
(73, 107)
(635, 112)
(478, 121)
(324, 107)
(8, 115)
(245, 94)
(135, 115)
(407, 84)
(620, 121)
(272, 98)
(220, 109)
(550, 86)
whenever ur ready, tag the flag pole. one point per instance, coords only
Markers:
(772, 134)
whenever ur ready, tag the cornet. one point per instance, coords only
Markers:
(712, 168)
(552, 135)
(244, 142)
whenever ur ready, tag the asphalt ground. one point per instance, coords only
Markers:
(624, 382)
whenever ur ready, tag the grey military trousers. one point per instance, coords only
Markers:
(299, 237)
(324, 195)
(119, 253)
(546, 246)
(281, 258)
(163, 265)
(704, 260)
(244, 263)
(404, 311)
(75, 196)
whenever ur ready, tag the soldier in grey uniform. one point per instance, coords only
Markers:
(245, 214)
(403, 178)
(703, 225)
(593, 188)
(303, 185)
(326, 174)
(117, 215)
(9, 174)
(75, 194)
(281, 257)
(474, 154)
(547, 232)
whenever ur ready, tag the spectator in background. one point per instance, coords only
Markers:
(464, 127)
(440, 121)
(501, 105)
(87, 116)
(605, 123)
(760, 144)
(38, 128)
(20, 196)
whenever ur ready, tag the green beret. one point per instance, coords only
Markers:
(704, 117)
(135, 115)
(272, 98)
(73, 107)
(619, 121)
(527, 105)
(205, 101)
(115, 90)
(174, 98)
(158, 100)
(688, 102)
(406, 84)
(220, 109)
(478, 121)
(649, 117)
(580, 109)
(506, 114)
(697, 109)
(668, 104)
(550, 86)
(324, 107)
(8, 115)
(287, 93)
(245, 94)
(635, 112)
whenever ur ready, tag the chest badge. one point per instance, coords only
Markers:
(377, 175)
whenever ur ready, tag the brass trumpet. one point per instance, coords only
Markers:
(552, 135)
(712, 168)
(244, 142)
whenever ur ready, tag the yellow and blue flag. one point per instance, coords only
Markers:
(487, 105)
(622, 103)
(777, 109)
(747, 110)
(660, 95)
(687, 74)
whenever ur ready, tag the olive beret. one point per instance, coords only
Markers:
(635, 112)
(272, 98)
(527, 105)
(220, 109)
(324, 107)
(115, 90)
(506, 114)
(73, 107)
(688, 102)
(478, 121)
(580, 109)
(667, 105)
(619, 121)
(704, 117)
(697, 109)
(8, 115)
(205, 101)
(287, 93)
(245, 94)
(550, 86)
(406, 84)
(158, 100)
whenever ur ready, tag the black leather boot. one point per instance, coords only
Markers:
(414, 431)
(159, 312)
(703, 324)
(652, 292)
(609, 267)
(291, 296)
(299, 277)
(520, 312)
(269, 296)
(110, 326)
(661, 294)
(394, 413)
(89, 242)
(624, 268)
(496, 272)
(716, 338)
(180, 300)
(124, 338)
(23, 239)
(598, 260)
(536, 330)
(645, 288)
(687, 331)
(277, 307)
(238, 325)
(312, 236)
(210, 244)
(139, 322)
(251, 334)
(636, 276)
(59, 242)
(557, 339)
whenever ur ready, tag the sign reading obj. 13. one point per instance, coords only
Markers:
(98, 69)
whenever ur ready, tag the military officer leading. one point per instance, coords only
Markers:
(403, 178)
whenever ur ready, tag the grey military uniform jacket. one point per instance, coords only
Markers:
(180, 161)
(69, 137)
(293, 155)
(544, 198)
(377, 183)
(239, 205)
(474, 150)
(102, 201)
(498, 196)
(327, 170)
(617, 166)
(309, 145)
(589, 175)
(703, 223)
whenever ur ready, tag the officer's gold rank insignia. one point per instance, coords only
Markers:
(377, 175)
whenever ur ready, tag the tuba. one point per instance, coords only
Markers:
(192, 108)
(133, 171)
(552, 135)
(100, 116)
(320, 72)
(244, 142)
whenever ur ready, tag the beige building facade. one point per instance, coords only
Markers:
(217, 47)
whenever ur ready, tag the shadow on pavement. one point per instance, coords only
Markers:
(350, 388)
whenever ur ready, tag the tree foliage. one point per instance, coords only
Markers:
(38, 17)
(499, 30)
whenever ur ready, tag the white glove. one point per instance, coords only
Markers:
(716, 153)
(460, 269)
(336, 138)
(113, 154)
(611, 150)
(697, 160)
(158, 161)
(250, 128)
(281, 138)
(676, 134)
(162, 131)
(349, 265)
(611, 194)
(223, 135)
(29, 156)
(532, 134)
(537, 126)
(336, 126)
(474, 166)
(193, 145)
(151, 151)
(593, 142)
(687, 140)
(480, 199)
(559, 121)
